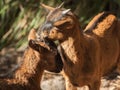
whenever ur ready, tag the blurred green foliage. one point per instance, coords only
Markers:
(17, 17)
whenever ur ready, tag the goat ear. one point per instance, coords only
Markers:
(47, 8)
(61, 5)
(32, 35)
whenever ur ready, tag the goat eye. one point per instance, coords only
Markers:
(60, 26)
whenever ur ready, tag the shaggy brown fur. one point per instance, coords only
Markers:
(37, 58)
(86, 57)
(118, 33)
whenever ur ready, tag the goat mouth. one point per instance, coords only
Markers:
(49, 43)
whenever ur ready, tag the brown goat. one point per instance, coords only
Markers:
(37, 58)
(86, 56)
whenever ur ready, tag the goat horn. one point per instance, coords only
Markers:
(60, 5)
(66, 11)
(48, 8)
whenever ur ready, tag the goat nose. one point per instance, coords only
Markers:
(44, 34)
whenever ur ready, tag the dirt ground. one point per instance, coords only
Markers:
(11, 58)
